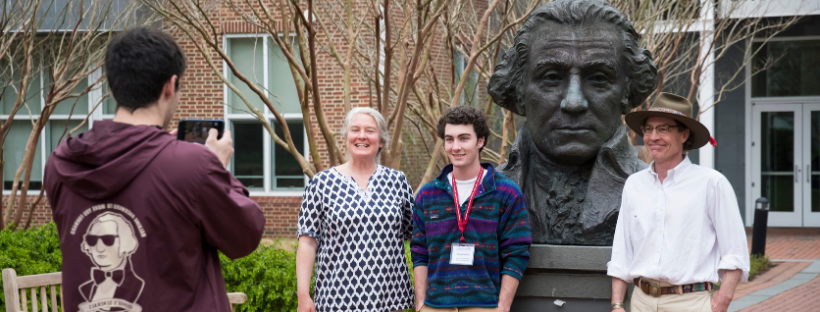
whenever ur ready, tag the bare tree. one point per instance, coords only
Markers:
(478, 32)
(386, 44)
(395, 48)
(196, 19)
(688, 37)
(64, 45)
(681, 36)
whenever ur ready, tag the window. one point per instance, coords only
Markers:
(62, 120)
(469, 96)
(286, 171)
(249, 155)
(32, 94)
(795, 72)
(13, 151)
(258, 162)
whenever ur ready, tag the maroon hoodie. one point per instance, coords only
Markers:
(141, 216)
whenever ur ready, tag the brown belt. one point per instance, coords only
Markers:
(655, 290)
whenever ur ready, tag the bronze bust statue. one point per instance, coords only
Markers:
(574, 70)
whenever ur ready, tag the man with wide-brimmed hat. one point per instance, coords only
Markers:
(679, 230)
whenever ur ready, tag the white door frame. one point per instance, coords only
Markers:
(750, 102)
(750, 198)
(778, 218)
(810, 219)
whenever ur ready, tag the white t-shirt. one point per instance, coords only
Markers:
(465, 187)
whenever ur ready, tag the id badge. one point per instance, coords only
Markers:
(462, 254)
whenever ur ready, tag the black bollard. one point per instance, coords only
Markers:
(760, 225)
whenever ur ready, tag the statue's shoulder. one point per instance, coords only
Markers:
(637, 175)
(514, 168)
(635, 165)
(511, 170)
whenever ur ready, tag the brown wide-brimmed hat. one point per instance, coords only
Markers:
(671, 106)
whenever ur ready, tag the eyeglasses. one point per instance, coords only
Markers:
(661, 130)
(108, 240)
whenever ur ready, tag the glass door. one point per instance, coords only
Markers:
(811, 165)
(776, 161)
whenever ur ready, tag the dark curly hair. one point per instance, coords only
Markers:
(465, 115)
(505, 85)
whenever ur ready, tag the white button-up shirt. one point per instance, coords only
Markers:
(682, 231)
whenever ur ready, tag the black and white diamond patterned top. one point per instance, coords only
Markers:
(360, 264)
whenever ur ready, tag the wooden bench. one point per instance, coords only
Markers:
(43, 290)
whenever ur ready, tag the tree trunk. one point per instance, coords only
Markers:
(33, 207)
(28, 160)
(431, 166)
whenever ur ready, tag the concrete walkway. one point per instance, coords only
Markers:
(794, 283)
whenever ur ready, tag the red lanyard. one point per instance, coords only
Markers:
(462, 224)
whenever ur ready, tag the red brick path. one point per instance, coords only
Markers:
(791, 243)
(805, 297)
(797, 244)
(776, 275)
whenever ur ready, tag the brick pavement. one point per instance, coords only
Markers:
(776, 275)
(803, 298)
(791, 243)
(787, 244)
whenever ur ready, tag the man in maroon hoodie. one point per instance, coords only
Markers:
(141, 215)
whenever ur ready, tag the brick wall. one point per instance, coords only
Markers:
(280, 215)
(42, 213)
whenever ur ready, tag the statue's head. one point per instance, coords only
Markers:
(574, 69)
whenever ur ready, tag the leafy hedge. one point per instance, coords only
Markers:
(267, 276)
(34, 251)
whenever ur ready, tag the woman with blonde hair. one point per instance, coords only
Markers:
(353, 223)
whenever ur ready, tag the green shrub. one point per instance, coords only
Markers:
(409, 260)
(267, 276)
(29, 252)
(759, 264)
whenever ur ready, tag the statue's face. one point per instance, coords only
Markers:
(574, 83)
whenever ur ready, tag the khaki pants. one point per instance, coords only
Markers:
(426, 308)
(699, 301)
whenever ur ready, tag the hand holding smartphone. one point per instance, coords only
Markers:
(196, 130)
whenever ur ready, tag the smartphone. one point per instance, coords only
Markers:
(196, 130)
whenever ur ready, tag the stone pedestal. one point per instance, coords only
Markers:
(574, 274)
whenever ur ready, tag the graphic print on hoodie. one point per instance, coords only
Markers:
(109, 242)
(142, 217)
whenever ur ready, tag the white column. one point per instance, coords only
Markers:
(94, 97)
(706, 89)
(266, 138)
